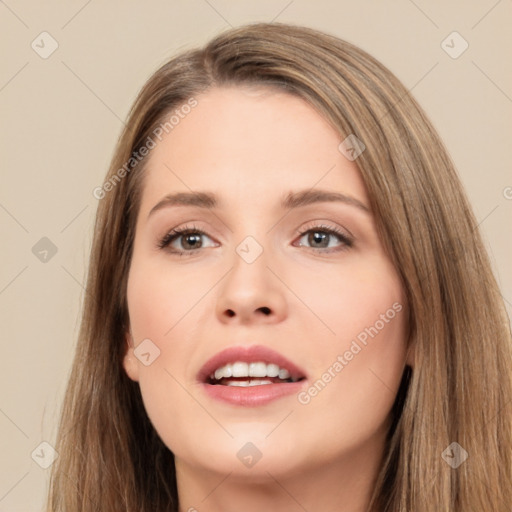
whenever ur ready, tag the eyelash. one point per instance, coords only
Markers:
(187, 230)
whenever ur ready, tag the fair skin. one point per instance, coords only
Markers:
(251, 147)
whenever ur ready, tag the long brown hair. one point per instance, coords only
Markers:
(460, 387)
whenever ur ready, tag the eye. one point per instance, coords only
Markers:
(321, 237)
(188, 239)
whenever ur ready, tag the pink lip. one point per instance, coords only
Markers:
(253, 395)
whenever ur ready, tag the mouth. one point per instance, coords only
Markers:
(244, 374)
(250, 375)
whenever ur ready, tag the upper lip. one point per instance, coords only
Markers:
(249, 354)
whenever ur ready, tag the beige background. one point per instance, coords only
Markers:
(62, 115)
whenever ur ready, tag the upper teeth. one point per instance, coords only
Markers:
(240, 369)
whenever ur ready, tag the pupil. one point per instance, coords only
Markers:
(193, 236)
(318, 237)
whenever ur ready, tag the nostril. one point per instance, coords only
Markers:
(265, 310)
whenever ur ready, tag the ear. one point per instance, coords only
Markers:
(130, 362)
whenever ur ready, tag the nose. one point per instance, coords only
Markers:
(251, 293)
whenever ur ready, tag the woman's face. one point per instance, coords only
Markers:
(285, 269)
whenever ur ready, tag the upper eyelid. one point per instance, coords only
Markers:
(182, 230)
(318, 224)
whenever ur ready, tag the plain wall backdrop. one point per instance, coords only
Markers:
(69, 73)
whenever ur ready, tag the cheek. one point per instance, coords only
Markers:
(158, 300)
(352, 298)
(161, 309)
(164, 302)
(358, 369)
(357, 386)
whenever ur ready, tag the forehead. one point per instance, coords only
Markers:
(249, 144)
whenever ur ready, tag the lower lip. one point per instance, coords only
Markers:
(253, 396)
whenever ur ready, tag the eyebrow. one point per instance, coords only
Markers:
(297, 199)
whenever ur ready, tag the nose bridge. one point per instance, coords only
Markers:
(250, 290)
(250, 263)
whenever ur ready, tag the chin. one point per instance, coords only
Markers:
(248, 454)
